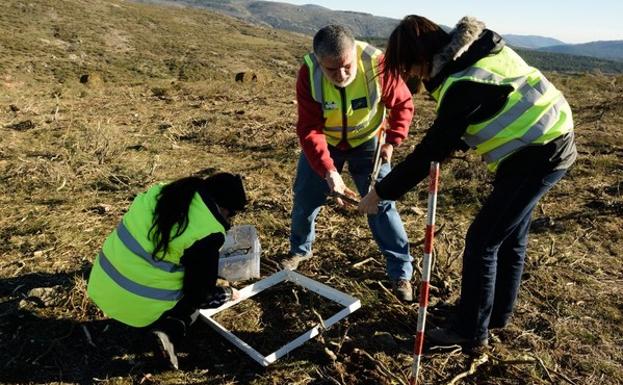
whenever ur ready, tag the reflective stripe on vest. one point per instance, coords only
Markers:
(136, 288)
(537, 130)
(128, 284)
(535, 111)
(135, 247)
(359, 128)
(367, 55)
(530, 94)
(371, 83)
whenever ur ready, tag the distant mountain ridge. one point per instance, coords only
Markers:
(531, 41)
(307, 19)
(611, 50)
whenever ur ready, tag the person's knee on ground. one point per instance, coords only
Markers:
(168, 332)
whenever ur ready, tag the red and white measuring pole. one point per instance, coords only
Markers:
(426, 266)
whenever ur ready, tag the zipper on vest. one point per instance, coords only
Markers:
(344, 141)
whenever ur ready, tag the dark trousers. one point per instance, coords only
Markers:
(495, 248)
(310, 193)
(176, 321)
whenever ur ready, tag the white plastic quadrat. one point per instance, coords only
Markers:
(350, 305)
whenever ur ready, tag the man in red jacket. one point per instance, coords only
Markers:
(344, 101)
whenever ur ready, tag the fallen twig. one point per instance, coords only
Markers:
(534, 359)
(55, 117)
(381, 366)
(361, 263)
(328, 377)
(53, 344)
(344, 337)
(451, 355)
(499, 361)
(62, 185)
(399, 305)
(322, 325)
(540, 361)
(390, 294)
(472, 368)
(548, 370)
(88, 335)
(296, 297)
(420, 242)
(276, 266)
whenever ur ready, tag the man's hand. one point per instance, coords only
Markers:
(235, 294)
(370, 203)
(336, 184)
(386, 152)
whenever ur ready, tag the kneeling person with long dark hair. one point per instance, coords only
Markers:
(160, 265)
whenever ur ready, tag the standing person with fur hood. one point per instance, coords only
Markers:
(490, 100)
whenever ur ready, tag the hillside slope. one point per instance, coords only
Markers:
(611, 50)
(161, 102)
(566, 63)
(125, 42)
(308, 19)
(305, 19)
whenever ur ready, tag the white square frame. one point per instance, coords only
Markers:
(350, 305)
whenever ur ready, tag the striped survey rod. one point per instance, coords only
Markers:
(426, 266)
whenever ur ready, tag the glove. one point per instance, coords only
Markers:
(218, 296)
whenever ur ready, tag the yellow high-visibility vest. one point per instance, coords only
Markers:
(126, 282)
(535, 112)
(355, 110)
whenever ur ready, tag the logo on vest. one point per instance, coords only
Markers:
(359, 103)
(330, 106)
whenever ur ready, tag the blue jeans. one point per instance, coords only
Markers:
(495, 248)
(310, 193)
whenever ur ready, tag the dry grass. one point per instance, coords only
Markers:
(163, 104)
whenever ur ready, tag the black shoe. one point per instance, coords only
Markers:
(165, 348)
(444, 337)
(443, 310)
(167, 332)
(403, 290)
(293, 260)
(497, 325)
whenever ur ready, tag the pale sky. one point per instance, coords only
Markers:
(572, 21)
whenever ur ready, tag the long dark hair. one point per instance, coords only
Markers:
(171, 210)
(412, 45)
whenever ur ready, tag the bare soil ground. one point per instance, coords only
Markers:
(162, 102)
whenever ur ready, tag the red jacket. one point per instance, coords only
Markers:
(396, 97)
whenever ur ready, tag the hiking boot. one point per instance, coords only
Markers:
(165, 348)
(444, 337)
(499, 322)
(292, 261)
(403, 290)
(167, 331)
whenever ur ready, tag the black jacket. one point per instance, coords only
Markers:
(200, 263)
(465, 103)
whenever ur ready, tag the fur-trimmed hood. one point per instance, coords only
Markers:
(467, 31)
